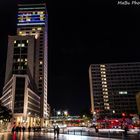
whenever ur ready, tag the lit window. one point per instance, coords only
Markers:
(103, 75)
(25, 59)
(39, 28)
(15, 41)
(106, 100)
(25, 63)
(18, 59)
(106, 104)
(18, 45)
(102, 69)
(41, 18)
(104, 82)
(27, 41)
(105, 89)
(23, 34)
(40, 12)
(105, 93)
(102, 66)
(22, 45)
(102, 72)
(107, 108)
(105, 96)
(122, 92)
(104, 85)
(20, 32)
(103, 79)
(36, 35)
(40, 77)
(21, 60)
(40, 62)
(28, 19)
(33, 29)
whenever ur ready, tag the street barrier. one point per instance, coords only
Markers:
(109, 134)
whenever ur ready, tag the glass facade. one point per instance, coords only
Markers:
(33, 20)
(31, 15)
(19, 95)
(25, 90)
(20, 57)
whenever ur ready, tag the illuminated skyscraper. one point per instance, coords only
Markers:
(33, 21)
(27, 58)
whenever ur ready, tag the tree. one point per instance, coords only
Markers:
(5, 114)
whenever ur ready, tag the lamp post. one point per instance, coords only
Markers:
(62, 115)
(58, 113)
(94, 114)
(66, 113)
(113, 113)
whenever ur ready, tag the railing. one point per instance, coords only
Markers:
(109, 134)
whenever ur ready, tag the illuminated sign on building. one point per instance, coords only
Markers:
(122, 92)
(31, 18)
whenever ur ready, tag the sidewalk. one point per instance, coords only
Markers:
(76, 137)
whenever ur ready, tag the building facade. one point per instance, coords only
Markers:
(33, 21)
(26, 66)
(20, 91)
(113, 88)
(21, 100)
(138, 102)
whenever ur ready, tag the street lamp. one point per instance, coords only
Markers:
(58, 112)
(65, 113)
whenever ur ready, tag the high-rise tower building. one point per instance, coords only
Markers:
(33, 21)
(113, 88)
(27, 59)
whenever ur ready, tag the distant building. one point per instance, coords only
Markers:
(113, 88)
(138, 102)
(25, 89)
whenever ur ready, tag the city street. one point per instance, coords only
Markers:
(46, 136)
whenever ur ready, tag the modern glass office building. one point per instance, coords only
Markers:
(113, 88)
(20, 91)
(33, 21)
(25, 90)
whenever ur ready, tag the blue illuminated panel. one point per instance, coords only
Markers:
(29, 18)
(19, 24)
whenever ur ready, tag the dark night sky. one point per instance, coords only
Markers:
(79, 34)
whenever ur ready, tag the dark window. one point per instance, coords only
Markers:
(19, 95)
